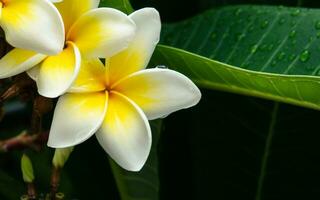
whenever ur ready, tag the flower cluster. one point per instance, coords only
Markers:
(61, 44)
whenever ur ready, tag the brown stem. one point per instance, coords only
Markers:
(55, 180)
(31, 191)
(24, 141)
(20, 86)
(41, 106)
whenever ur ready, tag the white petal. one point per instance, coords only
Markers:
(71, 10)
(76, 118)
(102, 32)
(140, 50)
(125, 133)
(90, 78)
(57, 73)
(159, 92)
(33, 25)
(18, 61)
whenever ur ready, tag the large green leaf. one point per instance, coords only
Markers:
(275, 48)
(237, 147)
(123, 5)
(143, 185)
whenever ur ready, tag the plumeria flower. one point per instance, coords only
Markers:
(91, 32)
(33, 25)
(116, 101)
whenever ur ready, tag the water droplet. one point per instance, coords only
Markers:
(317, 25)
(281, 56)
(238, 12)
(240, 36)
(251, 28)
(293, 23)
(254, 49)
(264, 24)
(310, 39)
(294, 42)
(161, 67)
(305, 56)
(213, 36)
(273, 63)
(292, 57)
(318, 34)
(282, 21)
(293, 33)
(270, 47)
(310, 67)
(263, 47)
(296, 12)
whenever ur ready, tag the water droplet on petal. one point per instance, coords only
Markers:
(305, 56)
(161, 67)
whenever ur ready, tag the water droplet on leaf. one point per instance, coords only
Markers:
(305, 56)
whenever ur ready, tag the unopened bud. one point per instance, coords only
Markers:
(61, 156)
(27, 169)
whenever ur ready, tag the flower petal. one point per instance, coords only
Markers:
(33, 25)
(71, 10)
(137, 56)
(159, 92)
(57, 73)
(102, 32)
(76, 118)
(125, 133)
(18, 61)
(90, 77)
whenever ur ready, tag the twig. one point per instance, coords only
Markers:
(41, 106)
(24, 141)
(55, 180)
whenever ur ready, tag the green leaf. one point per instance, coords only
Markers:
(143, 185)
(123, 5)
(275, 49)
(236, 147)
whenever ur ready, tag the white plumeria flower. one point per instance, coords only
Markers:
(33, 25)
(91, 32)
(115, 101)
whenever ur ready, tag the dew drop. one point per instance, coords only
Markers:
(317, 25)
(281, 56)
(240, 36)
(251, 28)
(293, 33)
(254, 49)
(213, 36)
(161, 67)
(264, 24)
(305, 56)
(238, 12)
(296, 12)
(282, 21)
(270, 47)
(292, 57)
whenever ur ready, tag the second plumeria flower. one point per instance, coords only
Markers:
(115, 101)
(91, 32)
(32, 24)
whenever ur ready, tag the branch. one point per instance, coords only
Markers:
(24, 141)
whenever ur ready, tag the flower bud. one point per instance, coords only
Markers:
(27, 169)
(61, 156)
